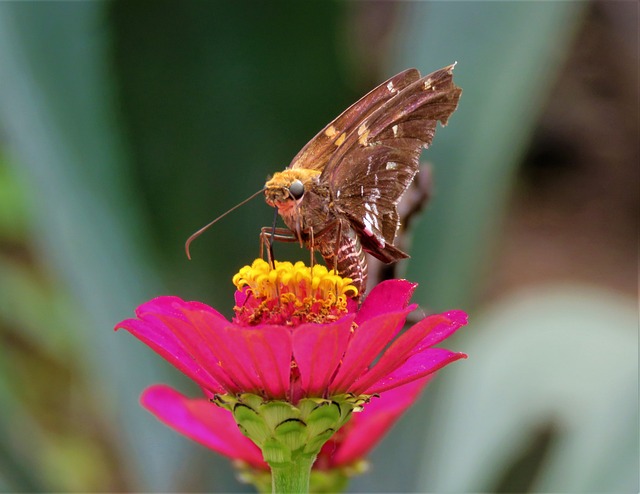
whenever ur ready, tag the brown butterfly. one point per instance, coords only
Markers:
(340, 193)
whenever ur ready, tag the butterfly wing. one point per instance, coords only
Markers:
(316, 153)
(370, 170)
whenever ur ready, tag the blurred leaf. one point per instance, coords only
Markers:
(50, 415)
(44, 315)
(505, 74)
(16, 464)
(558, 355)
(57, 107)
(13, 203)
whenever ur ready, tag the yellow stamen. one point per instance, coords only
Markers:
(300, 292)
(297, 279)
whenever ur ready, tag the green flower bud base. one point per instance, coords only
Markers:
(289, 436)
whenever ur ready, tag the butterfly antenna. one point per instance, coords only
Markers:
(206, 227)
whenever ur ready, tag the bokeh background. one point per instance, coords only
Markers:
(125, 126)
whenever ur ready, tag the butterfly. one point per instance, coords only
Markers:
(339, 195)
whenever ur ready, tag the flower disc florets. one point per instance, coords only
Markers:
(291, 294)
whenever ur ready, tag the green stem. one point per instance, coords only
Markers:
(292, 477)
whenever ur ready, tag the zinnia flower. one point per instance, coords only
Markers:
(299, 356)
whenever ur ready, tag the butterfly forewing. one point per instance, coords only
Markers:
(315, 154)
(415, 109)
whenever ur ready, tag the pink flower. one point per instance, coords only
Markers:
(291, 368)
(215, 428)
(297, 334)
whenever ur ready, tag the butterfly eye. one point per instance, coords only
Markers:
(296, 189)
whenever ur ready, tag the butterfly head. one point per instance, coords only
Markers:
(286, 189)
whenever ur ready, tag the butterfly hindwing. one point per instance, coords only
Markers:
(370, 199)
(377, 161)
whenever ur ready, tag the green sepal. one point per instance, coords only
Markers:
(283, 430)
(277, 412)
(315, 443)
(292, 433)
(325, 416)
(274, 452)
(251, 423)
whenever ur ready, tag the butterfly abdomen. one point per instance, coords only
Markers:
(348, 256)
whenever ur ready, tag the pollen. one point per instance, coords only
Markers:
(291, 294)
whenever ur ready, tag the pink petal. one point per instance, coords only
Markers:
(387, 296)
(257, 359)
(366, 343)
(202, 421)
(174, 307)
(409, 343)
(417, 366)
(222, 352)
(367, 428)
(440, 333)
(164, 326)
(159, 337)
(269, 349)
(201, 334)
(217, 354)
(318, 349)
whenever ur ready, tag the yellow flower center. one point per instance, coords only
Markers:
(291, 293)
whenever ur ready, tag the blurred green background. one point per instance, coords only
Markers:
(125, 126)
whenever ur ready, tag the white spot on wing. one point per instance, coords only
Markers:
(395, 130)
(391, 165)
(391, 87)
(367, 225)
(370, 223)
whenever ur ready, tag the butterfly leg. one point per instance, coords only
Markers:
(336, 252)
(311, 247)
(268, 235)
(337, 247)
